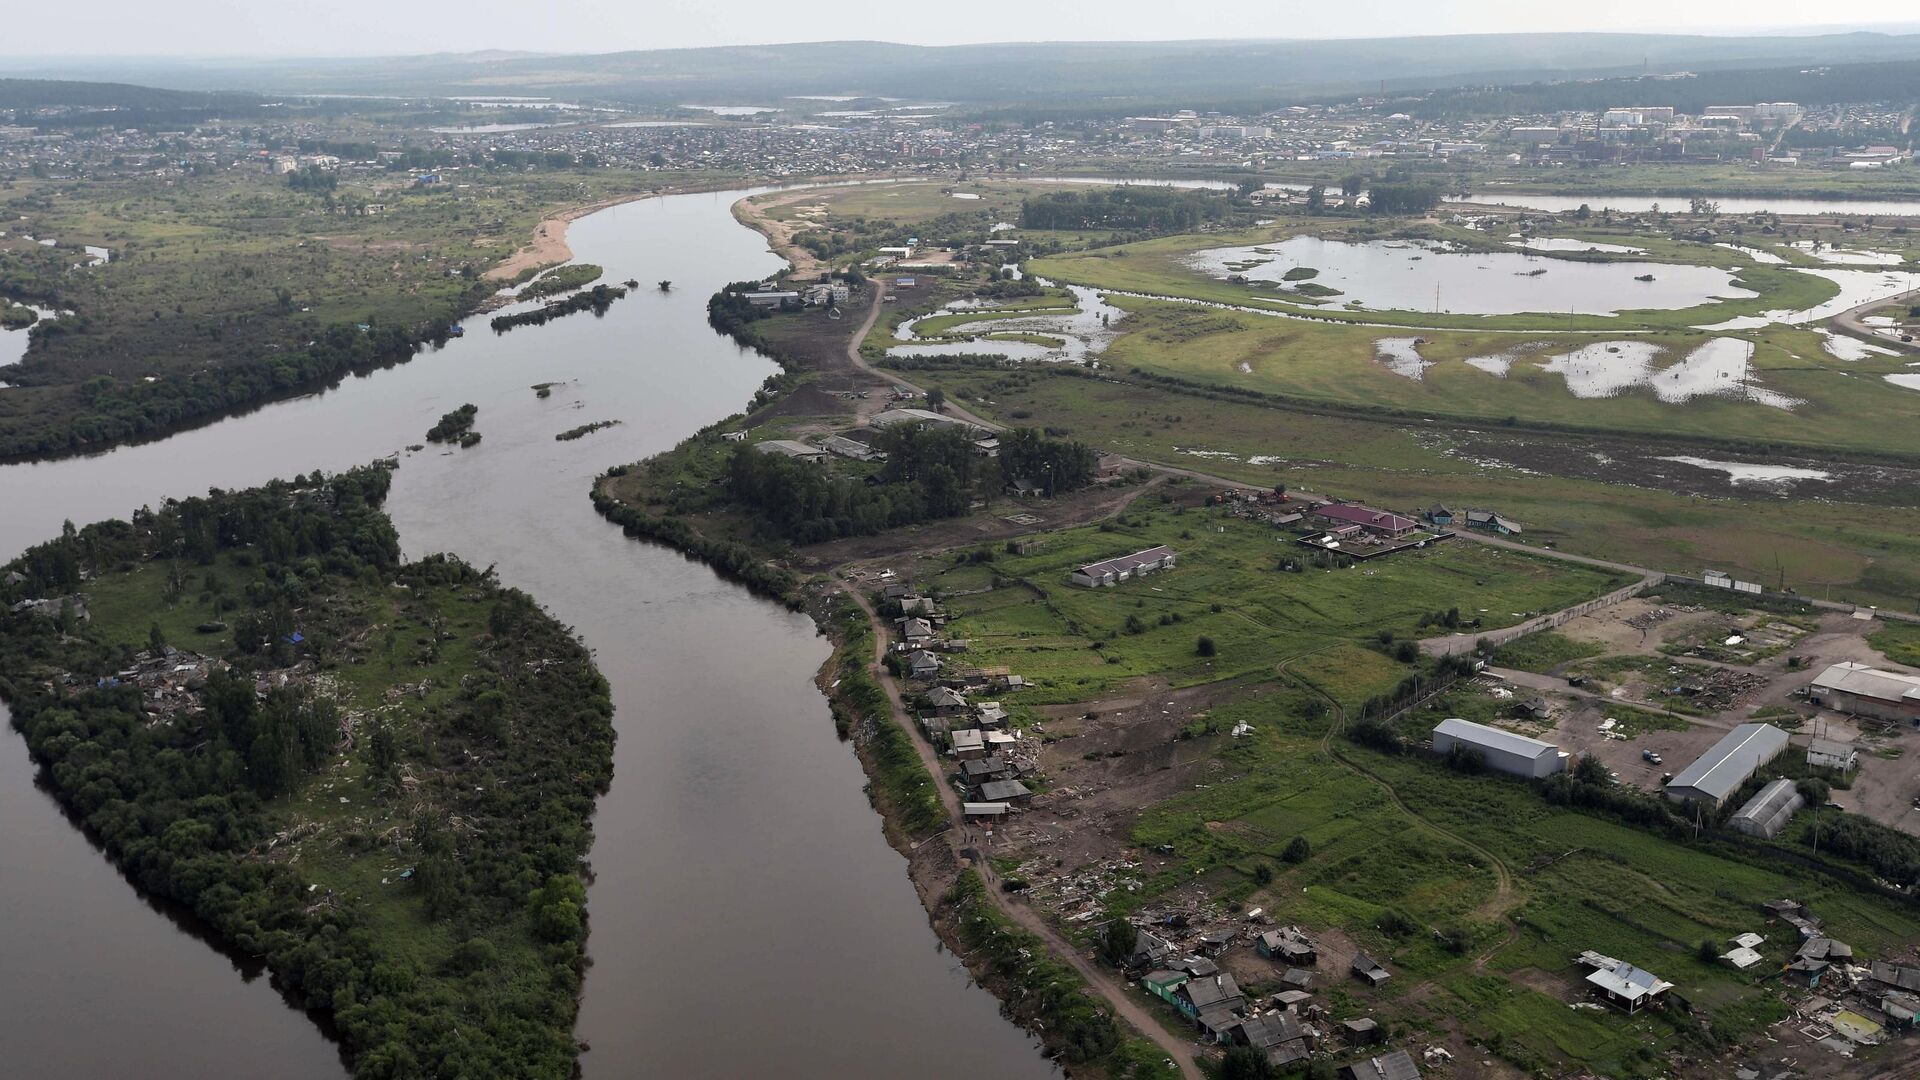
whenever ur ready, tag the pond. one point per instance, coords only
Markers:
(1388, 275)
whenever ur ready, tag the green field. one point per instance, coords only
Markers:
(1869, 554)
(1076, 643)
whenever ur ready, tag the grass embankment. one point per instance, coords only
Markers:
(1871, 554)
(905, 794)
(1074, 643)
(396, 826)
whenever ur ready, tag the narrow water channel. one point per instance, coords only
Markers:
(747, 915)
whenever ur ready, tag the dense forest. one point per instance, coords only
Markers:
(930, 473)
(1137, 208)
(1808, 86)
(480, 781)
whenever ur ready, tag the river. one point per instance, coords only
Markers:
(748, 917)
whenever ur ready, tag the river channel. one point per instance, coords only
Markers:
(748, 917)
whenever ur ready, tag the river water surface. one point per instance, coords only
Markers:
(747, 915)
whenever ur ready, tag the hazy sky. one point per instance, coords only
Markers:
(361, 27)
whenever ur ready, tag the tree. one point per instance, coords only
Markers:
(156, 639)
(1116, 942)
(1247, 1063)
(1205, 646)
(1297, 850)
(936, 399)
(666, 286)
(1317, 199)
(1583, 213)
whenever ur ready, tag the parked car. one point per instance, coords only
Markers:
(1650, 757)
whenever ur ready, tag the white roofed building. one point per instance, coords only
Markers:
(1503, 751)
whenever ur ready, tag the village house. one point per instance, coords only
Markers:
(1211, 1002)
(968, 746)
(1149, 949)
(1832, 754)
(1279, 1035)
(1394, 1065)
(946, 701)
(1289, 944)
(1368, 970)
(914, 629)
(1620, 983)
(982, 770)
(1011, 792)
(1379, 522)
(1114, 571)
(922, 664)
(1491, 521)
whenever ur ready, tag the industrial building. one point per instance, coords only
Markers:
(1716, 774)
(1856, 688)
(1769, 811)
(1503, 751)
(1115, 571)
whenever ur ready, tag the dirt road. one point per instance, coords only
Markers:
(1100, 980)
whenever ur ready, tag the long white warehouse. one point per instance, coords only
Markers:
(1716, 774)
(1503, 750)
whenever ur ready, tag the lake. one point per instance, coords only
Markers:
(1396, 275)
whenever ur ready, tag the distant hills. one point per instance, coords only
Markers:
(1083, 75)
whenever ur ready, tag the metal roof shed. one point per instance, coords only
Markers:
(1715, 775)
(1503, 750)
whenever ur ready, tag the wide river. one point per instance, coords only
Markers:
(748, 917)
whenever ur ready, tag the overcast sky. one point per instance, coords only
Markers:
(376, 27)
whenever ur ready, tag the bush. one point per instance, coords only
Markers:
(1205, 646)
(1297, 850)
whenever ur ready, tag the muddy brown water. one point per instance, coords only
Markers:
(748, 917)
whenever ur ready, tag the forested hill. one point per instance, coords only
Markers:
(1894, 81)
(1112, 75)
(59, 93)
(376, 776)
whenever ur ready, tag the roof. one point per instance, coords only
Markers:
(1771, 807)
(1863, 681)
(1213, 990)
(1831, 748)
(789, 447)
(1393, 1065)
(1905, 978)
(968, 738)
(1627, 981)
(909, 416)
(986, 766)
(1731, 760)
(1127, 563)
(997, 790)
(1270, 1029)
(1365, 515)
(1492, 738)
(1367, 965)
(983, 809)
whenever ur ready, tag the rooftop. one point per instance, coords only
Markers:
(1731, 760)
(1863, 681)
(1493, 738)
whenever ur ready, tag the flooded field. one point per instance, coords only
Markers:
(1083, 334)
(1722, 367)
(1567, 243)
(1406, 276)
